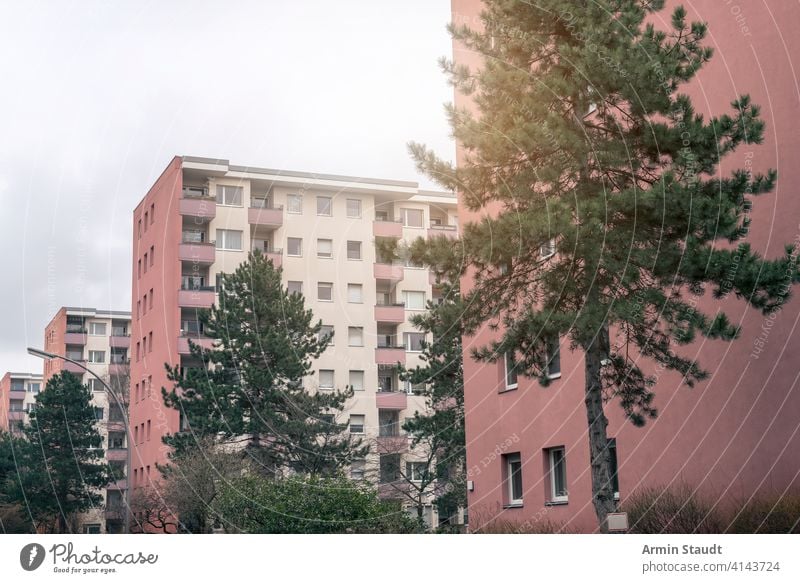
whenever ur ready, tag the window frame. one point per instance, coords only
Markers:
(322, 285)
(406, 303)
(554, 497)
(330, 206)
(221, 242)
(91, 352)
(360, 288)
(404, 215)
(553, 356)
(363, 424)
(92, 326)
(223, 201)
(288, 247)
(511, 460)
(508, 358)
(360, 251)
(350, 336)
(347, 208)
(299, 199)
(332, 375)
(350, 379)
(320, 254)
(547, 250)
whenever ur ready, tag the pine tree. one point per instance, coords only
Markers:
(250, 386)
(61, 468)
(583, 145)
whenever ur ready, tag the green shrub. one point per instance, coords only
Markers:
(674, 509)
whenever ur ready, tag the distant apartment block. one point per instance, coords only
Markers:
(99, 340)
(200, 219)
(18, 392)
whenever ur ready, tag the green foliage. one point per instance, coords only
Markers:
(250, 387)
(306, 505)
(59, 463)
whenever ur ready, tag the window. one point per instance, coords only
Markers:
(326, 332)
(558, 474)
(612, 454)
(510, 370)
(355, 336)
(294, 204)
(294, 246)
(98, 413)
(356, 424)
(140, 270)
(325, 379)
(34, 388)
(547, 250)
(139, 228)
(413, 341)
(354, 250)
(146, 221)
(324, 248)
(353, 208)
(229, 240)
(145, 262)
(355, 293)
(513, 469)
(18, 385)
(416, 471)
(151, 298)
(150, 340)
(414, 300)
(358, 467)
(357, 380)
(148, 435)
(91, 529)
(412, 218)
(324, 206)
(553, 359)
(414, 388)
(152, 213)
(229, 195)
(152, 254)
(138, 309)
(294, 287)
(96, 385)
(97, 356)
(325, 291)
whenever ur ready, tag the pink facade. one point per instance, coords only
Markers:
(733, 435)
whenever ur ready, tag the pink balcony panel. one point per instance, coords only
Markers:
(390, 355)
(395, 400)
(393, 314)
(118, 369)
(393, 491)
(276, 256)
(265, 217)
(118, 485)
(448, 231)
(73, 368)
(78, 338)
(183, 344)
(392, 444)
(115, 426)
(388, 271)
(16, 415)
(119, 341)
(387, 229)
(197, 252)
(200, 207)
(117, 455)
(195, 298)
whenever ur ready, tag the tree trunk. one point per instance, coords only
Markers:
(602, 488)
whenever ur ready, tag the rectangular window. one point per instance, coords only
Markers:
(557, 462)
(355, 336)
(139, 275)
(294, 246)
(325, 379)
(547, 250)
(513, 470)
(148, 436)
(325, 291)
(358, 467)
(294, 204)
(324, 248)
(416, 471)
(612, 454)
(152, 213)
(229, 240)
(98, 413)
(414, 300)
(152, 255)
(91, 529)
(96, 385)
(146, 221)
(150, 339)
(326, 332)
(34, 388)
(229, 195)
(356, 424)
(145, 262)
(413, 341)
(354, 250)
(97, 329)
(294, 287)
(357, 380)
(151, 298)
(324, 206)
(553, 359)
(353, 208)
(355, 293)
(510, 370)
(97, 356)
(413, 218)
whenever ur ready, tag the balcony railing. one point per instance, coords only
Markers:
(265, 215)
(387, 228)
(193, 237)
(120, 332)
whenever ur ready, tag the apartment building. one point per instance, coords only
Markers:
(734, 435)
(202, 217)
(18, 392)
(99, 340)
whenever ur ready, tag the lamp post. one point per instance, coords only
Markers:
(50, 356)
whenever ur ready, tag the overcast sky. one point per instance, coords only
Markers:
(98, 96)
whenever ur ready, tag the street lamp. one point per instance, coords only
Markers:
(50, 356)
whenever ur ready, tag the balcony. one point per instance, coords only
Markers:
(392, 443)
(119, 341)
(116, 425)
(196, 297)
(117, 455)
(75, 337)
(265, 215)
(395, 400)
(393, 229)
(119, 368)
(450, 231)
(118, 485)
(388, 271)
(197, 205)
(115, 512)
(200, 253)
(183, 344)
(74, 368)
(16, 415)
(390, 355)
(390, 313)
